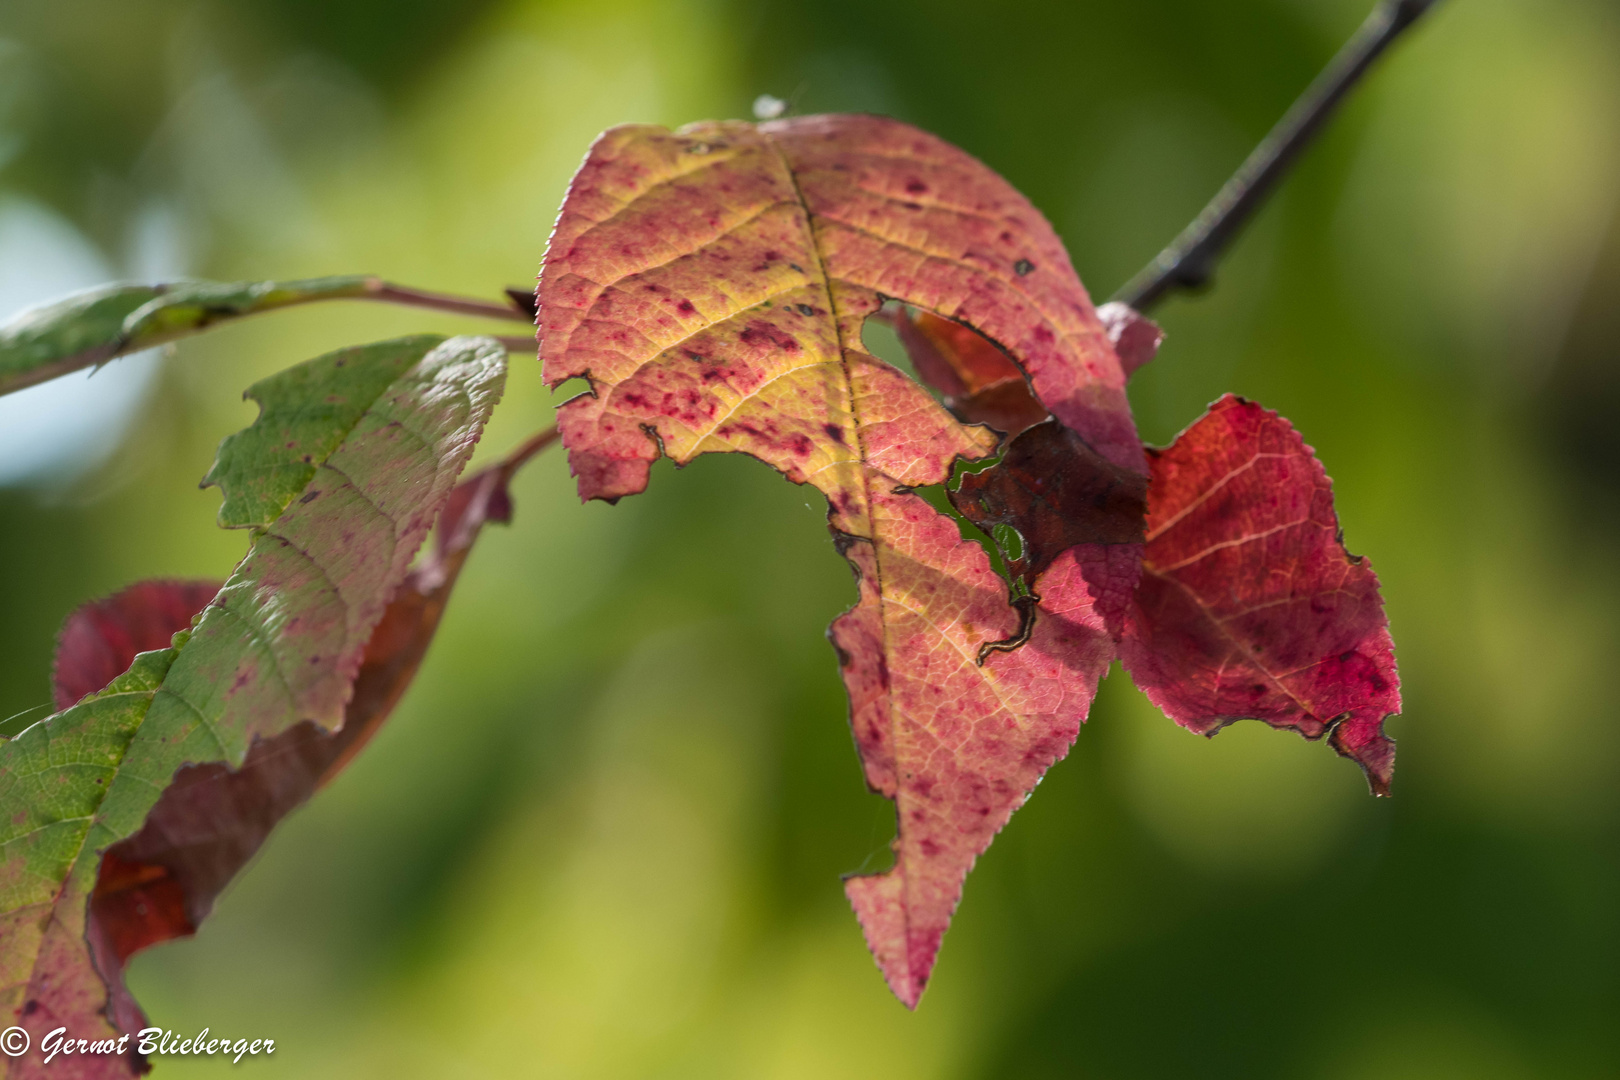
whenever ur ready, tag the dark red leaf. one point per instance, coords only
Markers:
(1249, 604)
(1058, 493)
(99, 640)
(980, 382)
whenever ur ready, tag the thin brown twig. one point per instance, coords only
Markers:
(525, 452)
(1189, 262)
(388, 292)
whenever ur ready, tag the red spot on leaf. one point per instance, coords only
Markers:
(760, 334)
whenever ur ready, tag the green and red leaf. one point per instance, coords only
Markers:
(278, 649)
(161, 883)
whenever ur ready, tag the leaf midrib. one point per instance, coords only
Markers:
(871, 524)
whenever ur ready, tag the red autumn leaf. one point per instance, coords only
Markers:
(1249, 604)
(981, 383)
(1059, 495)
(162, 882)
(711, 285)
(99, 640)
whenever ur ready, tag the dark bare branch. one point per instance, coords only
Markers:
(1189, 262)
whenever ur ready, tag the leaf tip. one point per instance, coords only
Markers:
(881, 910)
(1363, 741)
(524, 301)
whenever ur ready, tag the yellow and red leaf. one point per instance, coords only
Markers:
(710, 285)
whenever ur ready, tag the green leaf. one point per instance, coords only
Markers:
(96, 326)
(281, 643)
(305, 413)
(65, 335)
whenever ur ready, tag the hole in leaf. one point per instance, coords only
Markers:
(963, 467)
(878, 337)
(570, 389)
(936, 496)
(1009, 540)
(967, 372)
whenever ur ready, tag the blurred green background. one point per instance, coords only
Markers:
(603, 836)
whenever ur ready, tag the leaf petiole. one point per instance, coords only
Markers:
(528, 450)
(388, 292)
(94, 327)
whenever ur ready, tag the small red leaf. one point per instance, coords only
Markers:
(981, 383)
(1136, 337)
(1249, 605)
(99, 640)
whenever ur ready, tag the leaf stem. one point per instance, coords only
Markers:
(1189, 262)
(388, 292)
(31, 353)
(527, 451)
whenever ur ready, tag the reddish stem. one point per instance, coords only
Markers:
(460, 305)
(522, 455)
